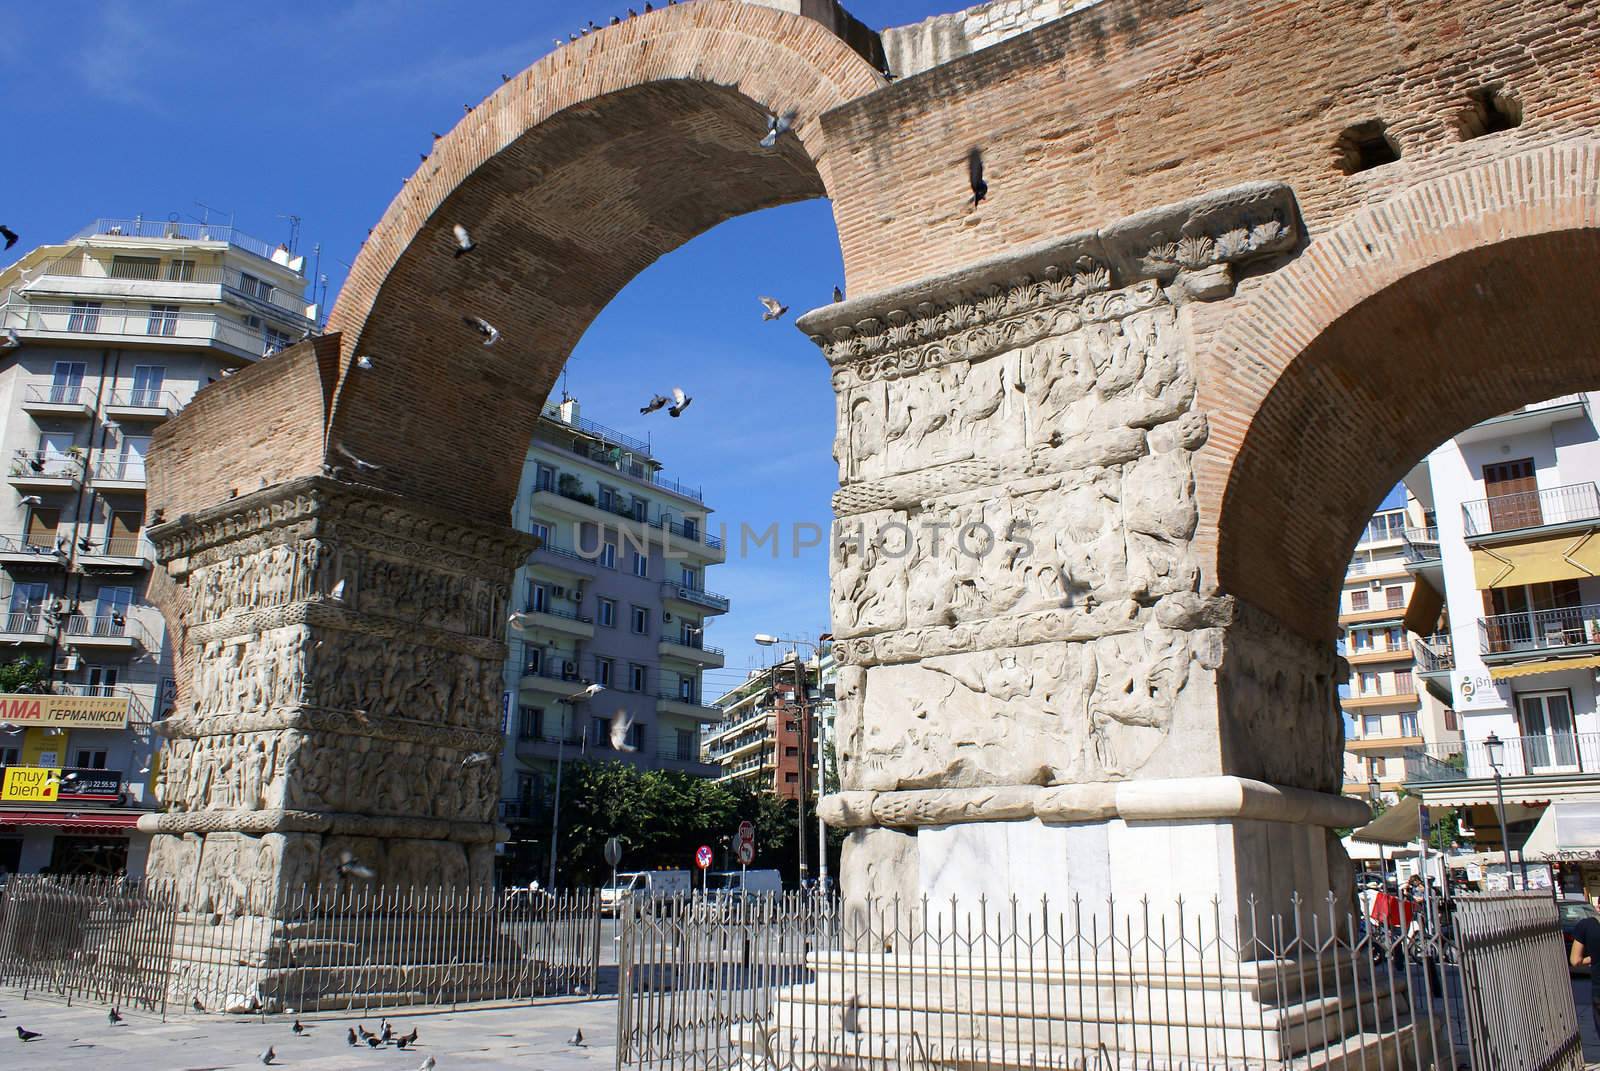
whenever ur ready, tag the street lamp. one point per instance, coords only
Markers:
(767, 640)
(1375, 797)
(1495, 750)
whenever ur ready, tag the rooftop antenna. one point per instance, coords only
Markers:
(294, 229)
(565, 397)
(205, 219)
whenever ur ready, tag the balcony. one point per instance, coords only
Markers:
(556, 675)
(139, 227)
(33, 470)
(1380, 653)
(685, 759)
(698, 598)
(673, 703)
(1564, 632)
(115, 472)
(58, 399)
(1436, 654)
(556, 619)
(31, 549)
(103, 324)
(112, 632)
(560, 560)
(1366, 700)
(550, 744)
(1420, 545)
(28, 626)
(1572, 503)
(695, 652)
(145, 405)
(693, 540)
(1551, 754)
(93, 277)
(115, 552)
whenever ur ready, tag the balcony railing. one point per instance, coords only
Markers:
(57, 394)
(117, 547)
(552, 669)
(145, 398)
(1420, 544)
(1436, 654)
(27, 622)
(139, 227)
(599, 431)
(1522, 756)
(46, 465)
(252, 288)
(42, 544)
(124, 469)
(103, 626)
(570, 615)
(1540, 630)
(697, 643)
(1532, 509)
(698, 596)
(139, 322)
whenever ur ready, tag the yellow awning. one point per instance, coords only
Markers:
(1422, 612)
(1568, 556)
(1546, 665)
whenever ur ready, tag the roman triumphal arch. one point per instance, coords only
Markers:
(1226, 287)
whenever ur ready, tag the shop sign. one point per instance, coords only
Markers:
(91, 784)
(29, 784)
(1476, 690)
(65, 711)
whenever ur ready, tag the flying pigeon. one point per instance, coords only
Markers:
(656, 402)
(680, 402)
(12, 339)
(773, 307)
(270, 1055)
(32, 500)
(28, 1035)
(350, 866)
(838, 295)
(113, 1017)
(588, 693)
(490, 334)
(9, 235)
(464, 242)
(361, 466)
(777, 126)
(621, 722)
(980, 188)
(477, 758)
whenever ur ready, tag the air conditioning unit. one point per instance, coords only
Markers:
(569, 670)
(560, 591)
(67, 664)
(577, 594)
(666, 615)
(1375, 585)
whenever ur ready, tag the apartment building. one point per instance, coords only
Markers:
(615, 595)
(759, 740)
(1519, 574)
(1388, 705)
(116, 329)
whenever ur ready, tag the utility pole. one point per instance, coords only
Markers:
(805, 738)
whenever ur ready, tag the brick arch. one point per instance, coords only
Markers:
(573, 177)
(1460, 298)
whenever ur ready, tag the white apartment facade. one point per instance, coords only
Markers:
(116, 330)
(1518, 514)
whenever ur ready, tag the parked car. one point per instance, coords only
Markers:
(650, 883)
(733, 883)
(1572, 913)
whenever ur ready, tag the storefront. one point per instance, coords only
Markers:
(1567, 836)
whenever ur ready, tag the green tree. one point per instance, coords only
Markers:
(24, 675)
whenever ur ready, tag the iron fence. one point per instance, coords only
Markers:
(793, 983)
(179, 946)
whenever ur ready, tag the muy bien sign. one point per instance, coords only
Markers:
(68, 711)
(30, 784)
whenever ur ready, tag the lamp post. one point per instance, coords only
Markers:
(766, 640)
(1375, 797)
(1495, 749)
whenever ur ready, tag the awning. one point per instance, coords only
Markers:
(1564, 556)
(76, 821)
(1422, 612)
(1566, 832)
(1544, 665)
(1398, 825)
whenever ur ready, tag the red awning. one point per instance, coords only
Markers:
(96, 821)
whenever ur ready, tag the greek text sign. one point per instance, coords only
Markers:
(72, 711)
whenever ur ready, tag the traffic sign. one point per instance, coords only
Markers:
(746, 852)
(613, 852)
(747, 832)
(702, 857)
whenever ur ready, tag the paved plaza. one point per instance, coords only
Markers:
(531, 1038)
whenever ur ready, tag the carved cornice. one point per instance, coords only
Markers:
(334, 823)
(1055, 287)
(1014, 630)
(385, 520)
(308, 719)
(326, 615)
(1176, 799)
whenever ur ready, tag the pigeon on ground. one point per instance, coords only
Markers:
(386, 1033)
(621, 722)
(9, 235)
(680, 402)
(980, 188)
(656, 402)
(270, 1055)
(350, 1039)
(297, 1027)
(576, 1038)
(196, 1005)
(27, 1035)
(429, 1064)
(777, 126)
(407, 1039)
(774, 308)
(477, 758)
(464, 242)
(374, 1042)
(490, 333)
(113, 1017)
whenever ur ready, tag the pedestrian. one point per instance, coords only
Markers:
(1585, 943)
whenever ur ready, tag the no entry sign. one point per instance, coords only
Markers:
(746, 851)
(702, 857)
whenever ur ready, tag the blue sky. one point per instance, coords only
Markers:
(319, 110)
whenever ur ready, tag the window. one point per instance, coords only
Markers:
(541, 532)
(130, 461)
(1547, 730)
(27, 602)
(538, 597)
(689, 577)
(685, 750)
(66, 380)
(102, 680)
(607, 612)
(1408, 723)
(1403, 682)
(690, 634)
(791, 779)
(85, 316)
(135, 267)
(148, 379)
(273, 340)
(42, 525)
(791, 752)
(1397, 638)
(641, 564)
(180, 271)
(10, 756)
(256, 288)
(636, 677)
(1372, 725)
(607, 498)
(544, 478)
(640, 621)
(691, 528)
(641, 508)
(686, 688)
(530, 722)
(1369, 684)
(602, 671)
(91, 760)
(1363, 638)
(111, 610)
(1394, 597)
(608, 555)
(1358, 601)
(534, 661)
(1450, 722)
(163, 320)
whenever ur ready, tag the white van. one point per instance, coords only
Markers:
(645, 883)
(744, 883)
